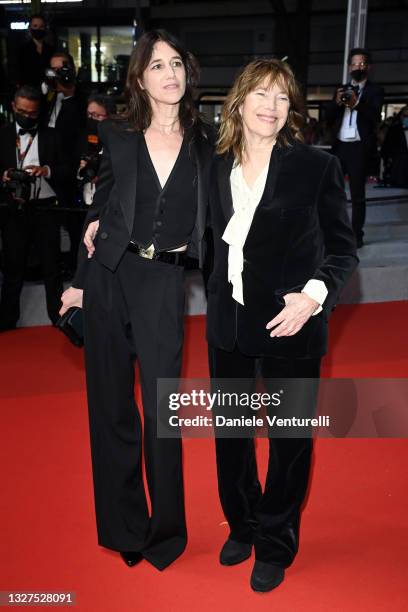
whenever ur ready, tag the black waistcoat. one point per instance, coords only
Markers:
(165, 217)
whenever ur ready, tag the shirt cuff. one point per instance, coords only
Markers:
(49, 172)
(316, 290)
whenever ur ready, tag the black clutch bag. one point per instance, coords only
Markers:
(71, 324)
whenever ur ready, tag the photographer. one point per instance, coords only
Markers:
(30, 167)
(100, 107)
(354, 114)
(33, 58)
(66, 113)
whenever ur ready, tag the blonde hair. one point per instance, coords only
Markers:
(231, 136)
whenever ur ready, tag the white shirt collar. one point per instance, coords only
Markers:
(360, 84)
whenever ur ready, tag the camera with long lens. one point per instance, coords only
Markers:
(347, 92)
(19, 186)
(64, 75)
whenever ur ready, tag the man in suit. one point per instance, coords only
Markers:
(26, 146)
(66, 113)
(354, 114)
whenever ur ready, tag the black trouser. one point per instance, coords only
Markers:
(72, 220)
(19, 229)
(270, 519)
(354, 158)
(135, 312)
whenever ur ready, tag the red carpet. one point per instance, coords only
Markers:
(354, 540)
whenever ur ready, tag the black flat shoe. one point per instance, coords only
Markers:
(266, 577)
(234, 552)
(131, 558)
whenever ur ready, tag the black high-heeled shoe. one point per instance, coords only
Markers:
(131, 558)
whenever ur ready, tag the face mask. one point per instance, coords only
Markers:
(405, 123)
(358, 75)
(38, 34)
(92, 126)
(27, 123)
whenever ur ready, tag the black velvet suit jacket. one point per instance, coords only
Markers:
(300, 230)
(115, 197)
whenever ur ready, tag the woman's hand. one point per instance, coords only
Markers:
(299, 308)
(90, 237)
(71, 297)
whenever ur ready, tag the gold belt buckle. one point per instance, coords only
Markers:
(147, 253)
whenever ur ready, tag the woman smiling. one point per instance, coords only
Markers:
(284, 249)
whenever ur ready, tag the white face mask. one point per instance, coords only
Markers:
(44, 88)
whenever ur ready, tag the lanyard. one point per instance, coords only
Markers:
(21, 155)
(352, 109)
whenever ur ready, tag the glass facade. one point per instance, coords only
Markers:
(99, 56)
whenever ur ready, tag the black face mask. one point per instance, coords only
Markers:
(27, 123)
(38, 34)
(92, 126)
(358, 75)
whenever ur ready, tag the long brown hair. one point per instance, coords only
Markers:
(139, 110)
(231, 135)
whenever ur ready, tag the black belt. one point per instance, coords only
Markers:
(176, 258)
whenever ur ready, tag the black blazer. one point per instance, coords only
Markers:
(300, 230)
(70, 125)
(115, 196)
(368, 116)
(49, 152)
(31, 65)
(71, 122)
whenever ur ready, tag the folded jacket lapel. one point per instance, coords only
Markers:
(124, 161)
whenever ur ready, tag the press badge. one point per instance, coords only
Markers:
(349, 132)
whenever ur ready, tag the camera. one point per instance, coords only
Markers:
(90, 171)
(64, 75)
(347, 92)
(19, 186)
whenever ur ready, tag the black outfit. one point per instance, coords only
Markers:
(356, 156)
(31, 65)
(300, 231)
(168, 211)
(34, 222)
(134, 308)
(395, 154)
(70, 126)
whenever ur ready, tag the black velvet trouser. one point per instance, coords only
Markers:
(269, 519)
(135, 312)
(354, 158)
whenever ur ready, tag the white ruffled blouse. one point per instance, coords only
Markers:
(245, 201)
